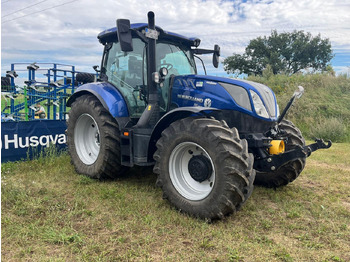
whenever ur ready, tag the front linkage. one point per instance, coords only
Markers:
(273, 162)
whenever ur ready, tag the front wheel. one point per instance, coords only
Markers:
(93, 139)
(204, 167)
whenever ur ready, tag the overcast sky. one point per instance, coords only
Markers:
(65, 31)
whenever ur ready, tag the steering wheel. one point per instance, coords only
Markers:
(167, 66)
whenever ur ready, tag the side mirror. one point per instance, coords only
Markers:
(124, 35)
(216, 56)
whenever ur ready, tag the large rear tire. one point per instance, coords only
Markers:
(93, 139)
(289, 171)
(85, 78)
(204, 168)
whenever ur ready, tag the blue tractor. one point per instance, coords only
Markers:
(209, 138)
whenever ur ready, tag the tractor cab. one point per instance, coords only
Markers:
(127, 70)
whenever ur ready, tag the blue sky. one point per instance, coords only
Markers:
(65, 31)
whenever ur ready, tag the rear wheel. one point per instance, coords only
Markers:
(289, 171)
(204, 167)
(93, 139)
(85, 78)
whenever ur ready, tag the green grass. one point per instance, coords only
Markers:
(50, 213)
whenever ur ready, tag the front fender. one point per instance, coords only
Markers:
(172, 116)
(109, 96)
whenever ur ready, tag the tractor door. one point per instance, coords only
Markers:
(178, 61)
(127, 71)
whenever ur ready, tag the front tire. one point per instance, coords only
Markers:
(204, 168)
(289, 171)
(93, 139)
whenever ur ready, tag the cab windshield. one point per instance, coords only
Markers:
(179, 61)
(128, 71)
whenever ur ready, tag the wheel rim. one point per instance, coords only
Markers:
(87, 139)
(180, 175)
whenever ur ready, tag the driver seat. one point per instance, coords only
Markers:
(133, 77)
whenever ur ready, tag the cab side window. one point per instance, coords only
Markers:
(177, 61)
(124, 70)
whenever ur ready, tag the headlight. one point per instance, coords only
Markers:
(258, 105)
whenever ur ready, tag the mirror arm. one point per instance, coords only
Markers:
(141, 36)
(199, 51)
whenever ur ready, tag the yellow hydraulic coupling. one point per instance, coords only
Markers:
(277, 147)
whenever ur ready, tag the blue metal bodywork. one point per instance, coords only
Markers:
(108, 95)
(198, 90)
(187, 91)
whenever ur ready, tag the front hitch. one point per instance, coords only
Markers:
(320, 144)
(274, 162)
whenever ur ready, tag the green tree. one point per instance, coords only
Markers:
(286, 53)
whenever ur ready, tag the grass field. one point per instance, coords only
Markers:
(49, 213)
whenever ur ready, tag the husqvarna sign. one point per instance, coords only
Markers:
(20, 139)
(33, 141)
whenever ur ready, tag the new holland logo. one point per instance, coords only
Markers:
(207, 102)
(191, 98)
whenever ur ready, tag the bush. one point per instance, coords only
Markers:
(330, 129)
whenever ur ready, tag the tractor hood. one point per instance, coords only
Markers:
(245, 96)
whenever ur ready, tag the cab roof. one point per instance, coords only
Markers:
(110, 35)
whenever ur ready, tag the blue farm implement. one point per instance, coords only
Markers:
(49, 84)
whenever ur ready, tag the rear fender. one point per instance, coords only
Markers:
(109, 96)
(172, 116)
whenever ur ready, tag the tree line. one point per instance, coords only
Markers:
(282, 53)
